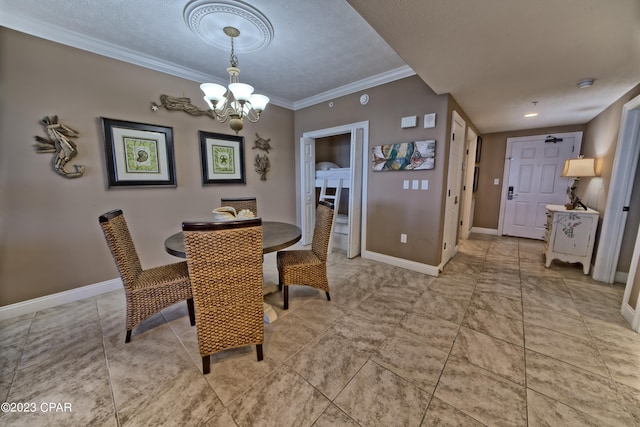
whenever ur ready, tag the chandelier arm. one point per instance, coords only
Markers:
(252, 116)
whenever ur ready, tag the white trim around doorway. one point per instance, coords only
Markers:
(624, 166)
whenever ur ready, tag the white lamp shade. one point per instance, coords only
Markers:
(214, 94)
(209, 103)
(241, 91)
(219, 104)
(579, 167)
(258, 102)
(213, 91)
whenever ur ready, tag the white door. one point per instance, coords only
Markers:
(631, 302)
(467, 192)
(308, 187)
(534, 169)
(355, 196)
(452, 206)
(624, 168)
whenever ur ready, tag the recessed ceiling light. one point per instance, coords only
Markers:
(532, 114)
(585, 83)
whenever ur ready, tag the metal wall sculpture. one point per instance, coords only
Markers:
(262, 165)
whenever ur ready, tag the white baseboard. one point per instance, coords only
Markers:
(53, 300)
(480, 230)
(621, 277)
(431, 270)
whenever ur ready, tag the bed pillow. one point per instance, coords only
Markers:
(324, 166)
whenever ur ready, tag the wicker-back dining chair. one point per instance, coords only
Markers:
(308, 267)
(147, 291)
(225, 266)
(240, 203)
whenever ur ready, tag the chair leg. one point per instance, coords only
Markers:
(128, 337)
(192, 311)
(286, 297)
(259, 351)
(328, 297)
(206, 364)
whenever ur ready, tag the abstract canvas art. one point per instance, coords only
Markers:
(417, 155)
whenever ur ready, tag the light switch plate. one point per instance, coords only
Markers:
(405, 184)
(430, 120)
(424, 185)
(415, 184)
(496, 181)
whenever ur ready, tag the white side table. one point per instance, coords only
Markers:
(570, 235)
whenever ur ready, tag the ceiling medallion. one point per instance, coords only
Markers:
(207, 18)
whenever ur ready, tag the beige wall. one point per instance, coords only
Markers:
(392, 210)
(601, 139)
(50, 240)
(494, 148)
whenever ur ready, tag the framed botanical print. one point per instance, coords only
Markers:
(222, 158)
(138, 154)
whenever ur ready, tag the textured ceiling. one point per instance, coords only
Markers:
(494, 56)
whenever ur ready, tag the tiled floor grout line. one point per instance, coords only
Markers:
(591, 342)
(106, 365)
(433, 395)
(494, 250)
(524, 342)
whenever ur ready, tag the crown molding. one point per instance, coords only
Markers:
(377, 80)
(90, 44)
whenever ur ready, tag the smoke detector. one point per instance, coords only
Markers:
(585, 83)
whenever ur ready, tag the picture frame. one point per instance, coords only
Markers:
(478, 149)
(222, 158)
(138, 154)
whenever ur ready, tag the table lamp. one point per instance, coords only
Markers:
(577, 168)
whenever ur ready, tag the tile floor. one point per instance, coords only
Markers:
(496, 339)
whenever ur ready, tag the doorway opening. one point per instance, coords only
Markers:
(353, 175)
(454, 187)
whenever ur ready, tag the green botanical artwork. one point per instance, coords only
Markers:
(223, 159)
(141, 155)
(405, 156)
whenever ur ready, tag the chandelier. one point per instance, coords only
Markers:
(238, 101)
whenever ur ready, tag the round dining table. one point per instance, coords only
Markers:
(275, 236)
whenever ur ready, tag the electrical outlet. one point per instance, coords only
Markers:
(403, 238)
(496, 181)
